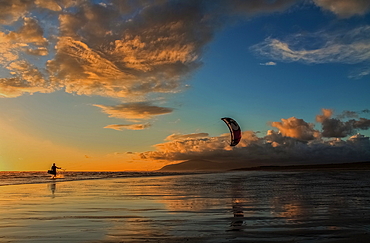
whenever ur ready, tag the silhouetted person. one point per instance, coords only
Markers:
(53, 170)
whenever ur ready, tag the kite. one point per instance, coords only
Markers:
(236, 133)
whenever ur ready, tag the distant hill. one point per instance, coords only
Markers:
(334, 166)
(200, 165)
(205, 165)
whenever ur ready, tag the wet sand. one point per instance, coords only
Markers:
(247, 206)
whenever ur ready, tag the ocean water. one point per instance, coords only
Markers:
(34, 177)
(246, 206)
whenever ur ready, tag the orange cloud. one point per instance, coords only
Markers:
(121, 127)
(49, 4)
(296, 128)
(28, 80)
(25, 78)
(128, 58)
(13, 10)
(327, 113)
(98, 52)
(31, 32)
(134, 111)
(174, 137)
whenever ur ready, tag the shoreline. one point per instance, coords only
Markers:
(40, 177)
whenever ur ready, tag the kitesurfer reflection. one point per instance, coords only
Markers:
(237, 206)
(52, 187)
(237, 221)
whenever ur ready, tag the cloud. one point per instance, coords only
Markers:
(260, 151)
(151, 52)
(348, 114)
(12, 10)
(359, 73)
(268, 64)
(135, 110)
(296, 128)
(350, 47)
(175, 137)
(48, 4)
(295, 141)
(124, 49)
(26, 40)
(117, 48)
(326, 114)
(24, 76)
(334, 127)
(30, 33)
(28, 80)
(345, 8)
(137, 48)
(121, 127)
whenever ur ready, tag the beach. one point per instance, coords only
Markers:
(242, 206)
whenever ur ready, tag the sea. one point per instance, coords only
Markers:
(242, 206)
(35, 177)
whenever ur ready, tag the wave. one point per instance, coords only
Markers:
(36, 177)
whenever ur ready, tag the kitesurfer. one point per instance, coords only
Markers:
(53, 170)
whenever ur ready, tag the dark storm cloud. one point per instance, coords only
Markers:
(335, 127)
(348, 114)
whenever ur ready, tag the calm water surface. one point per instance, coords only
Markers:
(222, 207)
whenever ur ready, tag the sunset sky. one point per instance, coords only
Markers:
(136, 85)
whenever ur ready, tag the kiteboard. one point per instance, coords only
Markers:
(54, 176)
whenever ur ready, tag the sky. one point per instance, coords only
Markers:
(136, 85)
